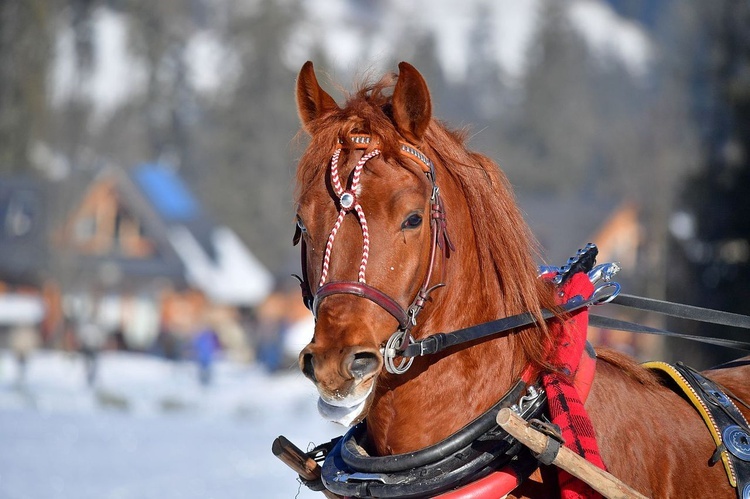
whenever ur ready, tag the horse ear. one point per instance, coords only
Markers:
(412, 107)
(312, 101)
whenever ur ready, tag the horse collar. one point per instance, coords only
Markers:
(469, 459)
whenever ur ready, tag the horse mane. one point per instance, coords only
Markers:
(505, 245)
(506, 248)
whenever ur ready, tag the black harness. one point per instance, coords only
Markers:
(471, 453)
(725, 422)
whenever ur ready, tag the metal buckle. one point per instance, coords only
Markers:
(367, 477)
(605, 272)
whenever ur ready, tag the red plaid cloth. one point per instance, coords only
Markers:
(565, 406)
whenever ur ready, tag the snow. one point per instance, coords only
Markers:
(116, 73)
(148, 429)
(612, 37)
(209, 61)
(351, 32)
(356, 37)
(20, 309)
(235, 277)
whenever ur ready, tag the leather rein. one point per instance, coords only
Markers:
(347, 202)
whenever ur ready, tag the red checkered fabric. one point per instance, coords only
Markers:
(565, 406)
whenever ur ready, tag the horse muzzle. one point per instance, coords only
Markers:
(344, 377)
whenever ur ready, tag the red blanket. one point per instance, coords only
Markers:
(565, 406)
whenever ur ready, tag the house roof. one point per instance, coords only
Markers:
(23, 228)
(167, 192)
(191, 248)
(215, 259)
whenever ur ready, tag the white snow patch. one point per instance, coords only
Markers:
(356, 37)
(210, 62)
(148, 429)
(610, 36)
(116, 74)
(375, 34)
(236, 277)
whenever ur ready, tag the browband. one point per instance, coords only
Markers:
(360, 141)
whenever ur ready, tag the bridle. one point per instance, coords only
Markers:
(348, 203)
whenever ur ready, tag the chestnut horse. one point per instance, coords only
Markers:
(379, 241)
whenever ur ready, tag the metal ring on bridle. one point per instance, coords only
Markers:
(390, 352)
(603, 295)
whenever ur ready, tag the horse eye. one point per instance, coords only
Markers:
(301, 225)
(414, 220)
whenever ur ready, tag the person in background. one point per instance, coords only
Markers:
(205, 346)
(24, 339)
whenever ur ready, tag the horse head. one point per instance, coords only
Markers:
(365, 204)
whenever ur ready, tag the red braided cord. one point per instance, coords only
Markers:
(340, 192)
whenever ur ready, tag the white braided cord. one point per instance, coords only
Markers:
(340, 192)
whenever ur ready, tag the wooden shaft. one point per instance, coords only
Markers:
(295, 458)
(566, 459)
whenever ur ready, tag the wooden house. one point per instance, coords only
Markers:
(139, 257)
(23, 226)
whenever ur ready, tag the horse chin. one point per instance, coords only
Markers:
(346, 411)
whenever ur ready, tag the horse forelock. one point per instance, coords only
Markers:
(366, 111)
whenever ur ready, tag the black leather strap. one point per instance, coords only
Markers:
(683, 311)
(440, 341)
(620, 325)
(730, 423)
(479, 448)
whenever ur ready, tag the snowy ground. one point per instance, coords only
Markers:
(149, 430)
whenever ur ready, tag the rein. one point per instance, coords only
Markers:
(606, 293)
(675, 310)
(440, 341)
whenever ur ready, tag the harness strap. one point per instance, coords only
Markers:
(620, 325)
(440, 341)
(501, 482)
(727, 425)
(683, 311)
(363, 291)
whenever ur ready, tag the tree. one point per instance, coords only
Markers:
(26, 44)
(558, 128)
(713, 246)
(247, 137)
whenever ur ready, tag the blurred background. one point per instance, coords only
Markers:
(148, 321)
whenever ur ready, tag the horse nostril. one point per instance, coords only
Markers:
(364, 363)
(307, 366)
